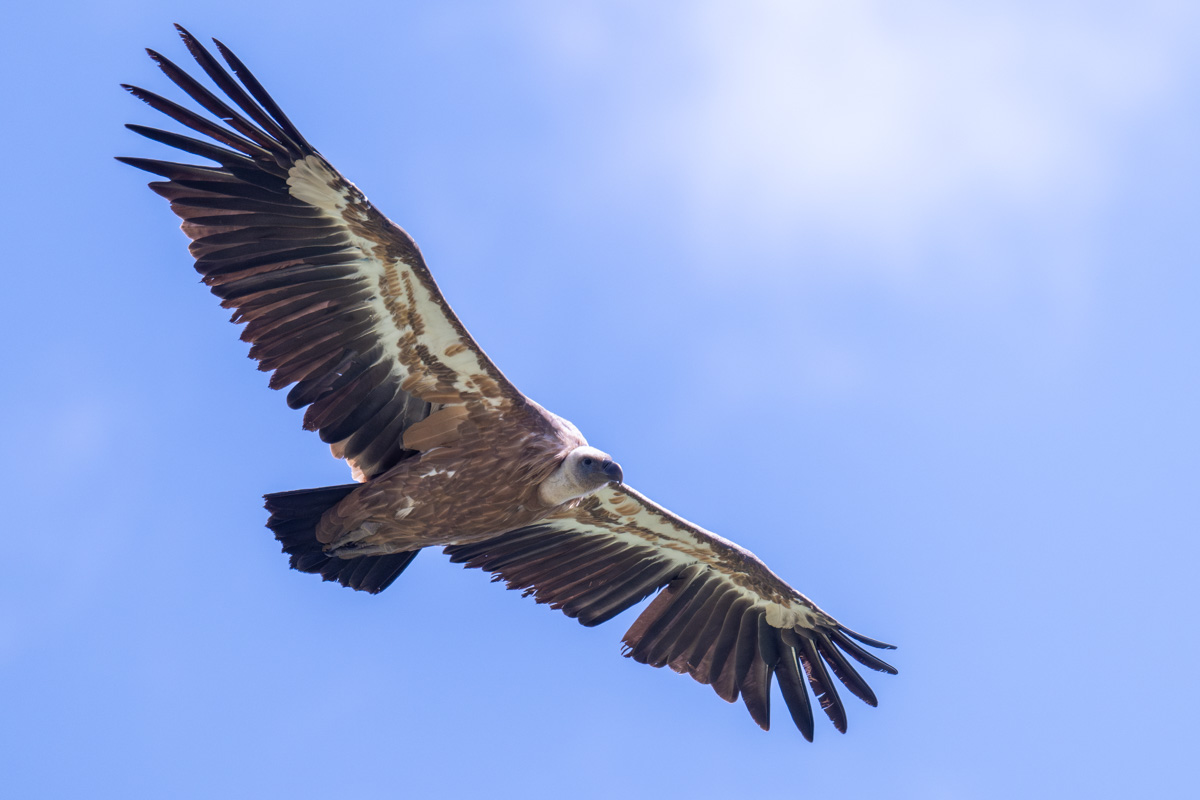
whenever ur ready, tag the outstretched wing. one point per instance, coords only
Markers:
(723, 617)
(336, 298)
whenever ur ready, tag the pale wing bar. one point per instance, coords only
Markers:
(714, 618)
(355, 322)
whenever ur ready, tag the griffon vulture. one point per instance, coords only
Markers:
(338, 304)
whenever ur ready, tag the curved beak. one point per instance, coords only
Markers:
(613, 470)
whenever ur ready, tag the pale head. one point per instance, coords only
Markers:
(583, 471)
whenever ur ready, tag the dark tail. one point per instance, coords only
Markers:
(294, 517)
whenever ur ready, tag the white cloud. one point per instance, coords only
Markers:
(894, 132)
(858, 123)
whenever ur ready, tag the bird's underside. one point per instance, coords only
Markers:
(338, 304)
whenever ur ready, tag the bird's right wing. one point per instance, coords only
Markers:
(336, 298)
(723, 617)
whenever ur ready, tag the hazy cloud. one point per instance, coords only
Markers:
(916, 140)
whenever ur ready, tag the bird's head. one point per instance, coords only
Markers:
(592, 468)
(583, 471)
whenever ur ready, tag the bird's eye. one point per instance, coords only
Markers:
(587, 462)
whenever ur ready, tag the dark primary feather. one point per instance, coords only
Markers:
(818, 679)
(791, 686)
(282, 265)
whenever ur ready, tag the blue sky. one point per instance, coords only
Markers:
(903, 300)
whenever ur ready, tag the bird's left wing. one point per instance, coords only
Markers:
(336, 298)
(723, 617)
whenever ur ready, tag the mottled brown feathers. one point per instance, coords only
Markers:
(439, 429)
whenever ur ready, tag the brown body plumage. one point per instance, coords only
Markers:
(464, 489)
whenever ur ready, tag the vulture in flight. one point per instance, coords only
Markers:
(338, 304)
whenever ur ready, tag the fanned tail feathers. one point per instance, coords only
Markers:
(294, 518)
